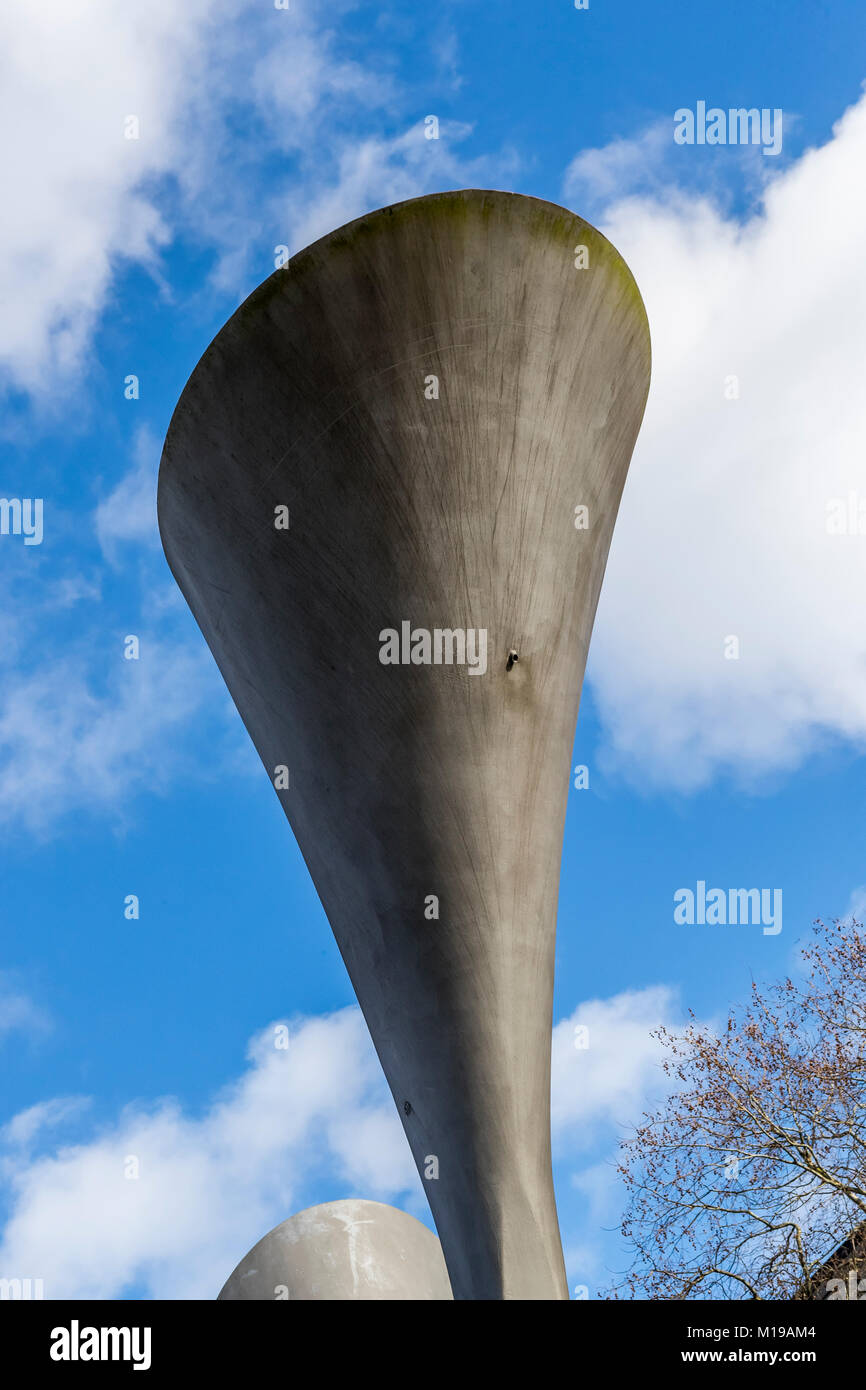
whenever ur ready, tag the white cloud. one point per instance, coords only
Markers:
(375, 171)
(18, 1013)
(318, 1113)
(73, 589)
(301, 76)
(599, 1093)
(27, 1126)
(604, 1063)
(208, 1187)
(128, 514)
(635, 164)
(722, 530)
(587, 1253)
(857, 903)
(71, 71)
(81, 198)
(220, 88)
(651, 163)
(69, 744)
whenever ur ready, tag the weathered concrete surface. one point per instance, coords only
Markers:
(415, 780)
(343, 1250)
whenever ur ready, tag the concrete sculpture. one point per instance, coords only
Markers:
(388, 493)
(348, 1250)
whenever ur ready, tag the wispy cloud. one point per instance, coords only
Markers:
(857, 903)
(375, 171)
(18, 1012)
(755, 425)
(605, 1062)
(128, 514)
(316, 1114)
(71, 742)
(32, 1125)
(169, 1202)
(625, 166)
(70, 75)
(127, 118)
(606, 1071)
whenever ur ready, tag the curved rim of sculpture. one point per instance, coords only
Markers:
(349, 234)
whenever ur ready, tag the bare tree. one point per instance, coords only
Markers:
(750, 1180)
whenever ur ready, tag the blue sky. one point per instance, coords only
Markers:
(259, 128)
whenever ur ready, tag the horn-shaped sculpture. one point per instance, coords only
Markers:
(387, 494)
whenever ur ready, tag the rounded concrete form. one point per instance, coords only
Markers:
(343, 1250)
(388, 493)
